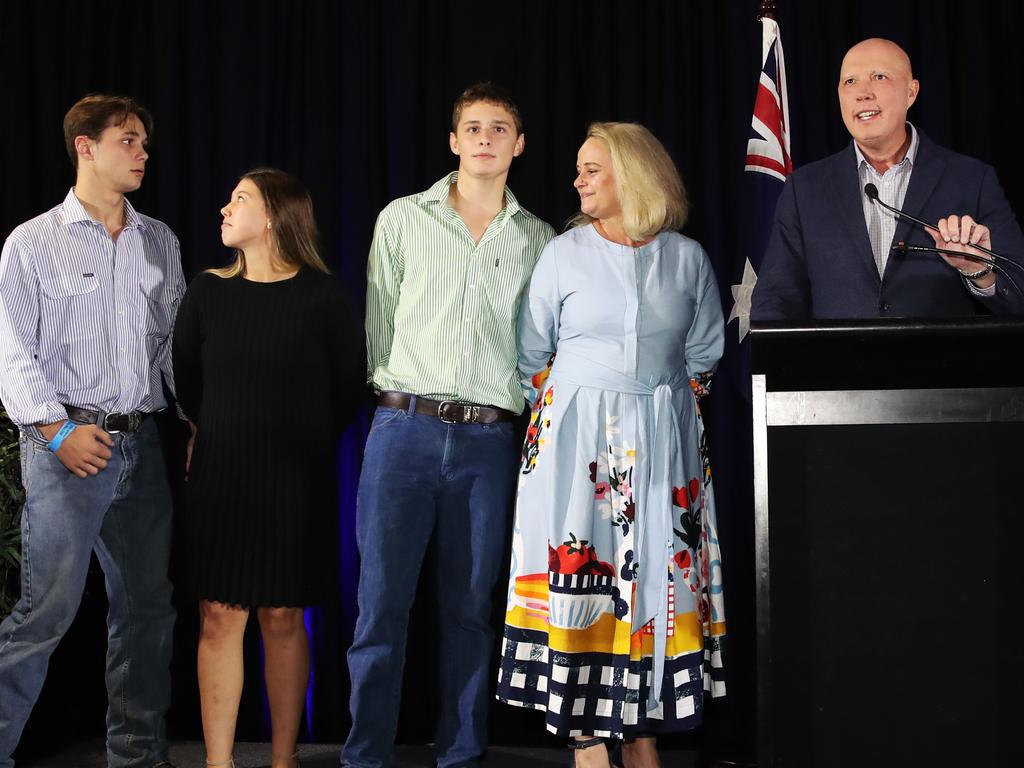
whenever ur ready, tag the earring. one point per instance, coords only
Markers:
(268, 225)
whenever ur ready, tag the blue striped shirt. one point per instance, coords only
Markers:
(86, 320)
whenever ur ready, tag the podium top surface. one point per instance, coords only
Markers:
(877, 327)
(889, 354)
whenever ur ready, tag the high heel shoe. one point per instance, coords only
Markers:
(293, 756)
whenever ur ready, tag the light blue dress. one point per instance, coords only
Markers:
(615, 614)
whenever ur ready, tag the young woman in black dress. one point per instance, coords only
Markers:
(268, 368)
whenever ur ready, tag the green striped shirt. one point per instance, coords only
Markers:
(441, 309)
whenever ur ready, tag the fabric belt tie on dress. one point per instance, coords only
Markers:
(448, 411)
(109, 422)
(654, 497)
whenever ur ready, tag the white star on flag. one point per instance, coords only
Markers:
(741, 299)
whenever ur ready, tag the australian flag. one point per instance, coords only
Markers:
(768, 164)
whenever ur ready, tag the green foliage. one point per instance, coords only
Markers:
(11, 498)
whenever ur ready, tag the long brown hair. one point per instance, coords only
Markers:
(291, 210)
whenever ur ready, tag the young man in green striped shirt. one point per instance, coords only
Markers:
(446, 273)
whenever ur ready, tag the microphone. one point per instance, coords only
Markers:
(902, 247)
(872, 192)
(993, 263)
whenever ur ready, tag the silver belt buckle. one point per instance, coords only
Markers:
(470, 413)
(440, 411)
(132, 418)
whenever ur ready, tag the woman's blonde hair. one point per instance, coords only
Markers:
(650, 191)
(294, 227)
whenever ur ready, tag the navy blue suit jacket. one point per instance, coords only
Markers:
(819, 262)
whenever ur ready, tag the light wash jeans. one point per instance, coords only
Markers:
(124, 515)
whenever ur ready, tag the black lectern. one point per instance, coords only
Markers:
(889, 505)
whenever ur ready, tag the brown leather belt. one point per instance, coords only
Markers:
(110, 422)
(448, 411)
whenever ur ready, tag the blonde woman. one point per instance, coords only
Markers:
(268, 366)
(615, 612)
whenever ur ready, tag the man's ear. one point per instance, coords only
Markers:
(83, 147)
(520, 145)
(453, 142)
(912, 91)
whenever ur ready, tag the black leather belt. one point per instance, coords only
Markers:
(448, 411)
(110, 422)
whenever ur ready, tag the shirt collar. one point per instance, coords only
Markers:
(72, 212)
(132, 217)
(908, 159)
(438, 193)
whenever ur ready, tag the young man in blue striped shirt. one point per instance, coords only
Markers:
(88, 293)
(446, 273)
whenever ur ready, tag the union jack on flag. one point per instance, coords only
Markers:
(768, 146)
(768, 164)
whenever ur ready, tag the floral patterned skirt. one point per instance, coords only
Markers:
(568, 646)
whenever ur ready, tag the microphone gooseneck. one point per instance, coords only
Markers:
(993, 263)
(872, 192)
(904, 247)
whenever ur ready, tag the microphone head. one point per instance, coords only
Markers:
(871, 191)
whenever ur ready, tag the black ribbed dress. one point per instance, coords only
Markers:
(270, 373)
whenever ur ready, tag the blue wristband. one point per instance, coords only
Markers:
(62, 433)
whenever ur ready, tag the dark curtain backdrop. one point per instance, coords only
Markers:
(355, 99)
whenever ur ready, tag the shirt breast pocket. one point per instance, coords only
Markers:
(153, 300)
(159, 316)
(503, 280)
(70, 301)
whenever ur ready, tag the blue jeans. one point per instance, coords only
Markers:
(419, 476)
(124, 515)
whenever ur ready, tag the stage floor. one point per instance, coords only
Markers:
(250, 755)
